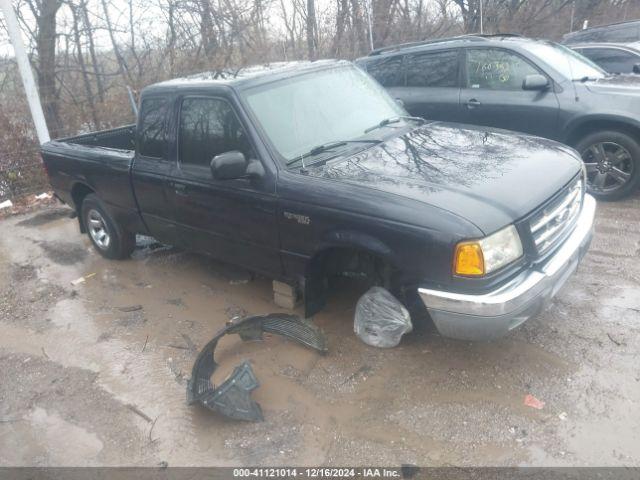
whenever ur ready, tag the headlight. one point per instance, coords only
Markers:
(484, 256)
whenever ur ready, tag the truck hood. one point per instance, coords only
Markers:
(489, 177)
(616, 84)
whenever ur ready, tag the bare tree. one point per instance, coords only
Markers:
(311, 29)
(92, 49)
(83, 68)
(122, 64)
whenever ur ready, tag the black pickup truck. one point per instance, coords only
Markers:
(309, 170)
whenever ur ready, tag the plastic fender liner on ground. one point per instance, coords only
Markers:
(232, 397)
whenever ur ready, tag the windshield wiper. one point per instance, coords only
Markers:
(389, 121)
(329, 146)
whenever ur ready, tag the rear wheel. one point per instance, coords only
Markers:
(108, 238)
(612, 160)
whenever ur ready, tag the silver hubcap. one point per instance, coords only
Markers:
(98, 229)
(609, 166)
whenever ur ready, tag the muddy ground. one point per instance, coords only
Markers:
(87, 380)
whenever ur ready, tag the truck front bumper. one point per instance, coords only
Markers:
(491, 315)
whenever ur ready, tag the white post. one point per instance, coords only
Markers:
(481, 20)
(25, 71)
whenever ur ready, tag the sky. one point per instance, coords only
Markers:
(148, 16)
(118, 14)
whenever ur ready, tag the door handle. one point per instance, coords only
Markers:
(473, 103)
(179, 188)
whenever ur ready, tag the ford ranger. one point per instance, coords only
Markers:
(309, 170)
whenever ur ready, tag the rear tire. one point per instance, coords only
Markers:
(109, 239)
(612, 159)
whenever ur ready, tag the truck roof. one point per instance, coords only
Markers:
(246, 76)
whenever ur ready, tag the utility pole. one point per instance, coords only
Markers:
(481, 20)
(369, 9)
(25, 71)
(573, 14)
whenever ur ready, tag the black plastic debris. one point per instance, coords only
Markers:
(232, 397)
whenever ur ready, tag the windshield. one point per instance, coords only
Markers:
(334, 105)
(566, 61)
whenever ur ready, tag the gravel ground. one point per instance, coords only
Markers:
(95, 374)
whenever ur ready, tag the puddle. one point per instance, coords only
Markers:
(624, 297)
(69, 314)
(33, 448)
(63, 253)
(45, 217)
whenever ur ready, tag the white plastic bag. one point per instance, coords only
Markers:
(380, 319)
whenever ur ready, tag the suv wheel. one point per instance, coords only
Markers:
(612, 160)
(109, 239)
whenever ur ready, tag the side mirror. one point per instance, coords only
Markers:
(229, 165)
(636, 68)
(255, 169)
(535, 82)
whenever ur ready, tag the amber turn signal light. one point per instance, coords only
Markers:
(468, 259)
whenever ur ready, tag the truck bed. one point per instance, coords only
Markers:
(117, 144)
(121, 138)
(98, 162)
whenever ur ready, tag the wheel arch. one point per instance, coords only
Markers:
(340, 252)
(585, 126)
(79, 192)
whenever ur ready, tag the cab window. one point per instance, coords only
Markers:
(151, 138)
(209, 127)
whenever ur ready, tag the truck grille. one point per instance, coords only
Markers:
(552, 222)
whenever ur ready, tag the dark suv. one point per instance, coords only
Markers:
(623, 32)
(532, 86)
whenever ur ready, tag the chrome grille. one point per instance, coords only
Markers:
(552, 222)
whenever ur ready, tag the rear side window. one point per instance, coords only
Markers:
(613, 60)
(596, 54)
(151, 137)
(209, 127)
(437, 69)
(387, 71)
